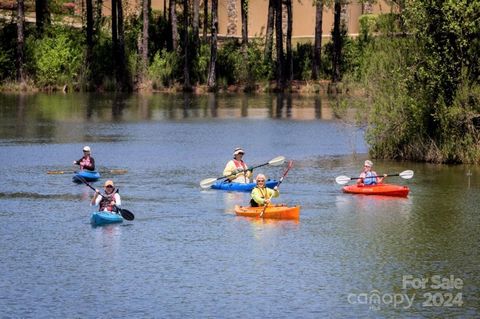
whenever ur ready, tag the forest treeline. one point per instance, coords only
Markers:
(412, 74)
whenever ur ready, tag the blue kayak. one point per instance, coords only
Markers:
(89, 176)
(229, 186)
(103, 218)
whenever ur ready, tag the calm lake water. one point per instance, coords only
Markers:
(186, 254)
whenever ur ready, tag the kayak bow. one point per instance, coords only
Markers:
(272, 211)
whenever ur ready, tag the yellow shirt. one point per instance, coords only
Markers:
(260, 194)
(234, 165)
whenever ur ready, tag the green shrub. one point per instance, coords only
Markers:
(162, 71)
(231, 67)
(258, 69)
(7, 51)
(302, 61)
(201, 63)
(57, 57)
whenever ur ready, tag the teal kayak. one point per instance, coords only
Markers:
(103, 218)
(229, 186)
(89, 176)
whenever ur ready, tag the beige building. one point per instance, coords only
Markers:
(230, 21)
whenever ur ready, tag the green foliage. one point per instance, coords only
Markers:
(7, 51)
(57, 58)
(302, 61)
(258, 69)
(102, 62)
(201, 63)
(163, 69)
(368, 25)
(388, 23)
(420, 95)
(231, 67)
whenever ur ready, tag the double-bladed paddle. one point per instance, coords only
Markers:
(128, 215)
(290, 165)
(206, 183)
(345, 179)
(112, 171)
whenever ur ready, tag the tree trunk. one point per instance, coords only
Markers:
(122, 66)
(21, 42)
(165, 10)
(144, 47)
(289, 41)
(212, 78)
(42, 15)
(89, 55)
(174, 25)
(196, 25)
(244, 13)
(270, 27)
(279, 45)
(114, 38)
(98, 16)
(317, 47)
(186, 70)
(337, 42)
(205, 20)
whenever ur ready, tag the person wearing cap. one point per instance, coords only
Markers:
(236, 169)
(86, 162)
(368, 176)
(261, 194)
(109, 200)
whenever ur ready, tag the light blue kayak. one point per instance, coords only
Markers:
(89, 176)
(103, 218)
(239, 187)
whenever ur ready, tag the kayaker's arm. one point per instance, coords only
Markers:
(95, 197)
(380, 179)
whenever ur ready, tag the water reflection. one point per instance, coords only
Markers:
(78, 107)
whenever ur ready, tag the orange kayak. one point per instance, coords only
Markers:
(273, 212)
(378, 189)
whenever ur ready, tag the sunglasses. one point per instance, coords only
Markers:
(261, 180)
(109, 186)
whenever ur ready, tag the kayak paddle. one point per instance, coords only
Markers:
(112, 171)
(128, 215)
(345, 179)
(206, 183)
(290, 165)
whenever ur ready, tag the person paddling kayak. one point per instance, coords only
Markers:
(369, 177)
(261, 195)
(86, 162)
(109, 200)
(236, 169)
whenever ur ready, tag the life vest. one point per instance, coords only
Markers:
(85, 162)
(263, 193)
(370, 178)
(105, 202)
(240, 165)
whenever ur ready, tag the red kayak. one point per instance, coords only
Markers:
(378, 189)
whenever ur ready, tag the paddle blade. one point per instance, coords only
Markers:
(128, 215)
(118, 171)
(206, 183)
(342, 180)
(406, 174)
(59, 172)
(277, 161)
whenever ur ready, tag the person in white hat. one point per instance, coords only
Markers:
(236, 169)
(261, 194)
(368, 176)
(109, 200)
(86, 162)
